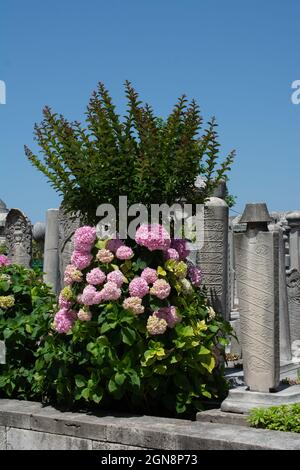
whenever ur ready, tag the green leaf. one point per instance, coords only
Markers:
(80, 381)
(128, 335)
(119, 378)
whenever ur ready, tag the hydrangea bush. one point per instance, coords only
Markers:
(26, 312)
(133, 330)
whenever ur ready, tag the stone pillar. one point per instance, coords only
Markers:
(293, 219)
(213, 257)
(257, 265)
(51, 262)
(284, 323)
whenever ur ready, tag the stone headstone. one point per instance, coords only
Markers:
(2, 352)
(257, 265)
(51, 262)
(293, 292)
(213, 257)
(18, 233)
(293, 219)
(66, 228)
(3, 215)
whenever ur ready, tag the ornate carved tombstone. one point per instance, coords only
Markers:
(213, 257)
(18, 233)
(293, 289)
(257, 264)
(66, 229)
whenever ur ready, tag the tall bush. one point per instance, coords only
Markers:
(149, 159)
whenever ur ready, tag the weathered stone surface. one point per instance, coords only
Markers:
(128, 432)
(2, 352)
(241, 400)
(66, 228)
(257, 259)
(21, 439)
(18, 233)
(213, 257)
(219, 416)
(51, 261)
(293, 219)
(2, 438)
(293, 292)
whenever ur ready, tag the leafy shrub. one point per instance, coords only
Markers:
(134, 331)
(25, 314)
(278, 418)
(149, 159)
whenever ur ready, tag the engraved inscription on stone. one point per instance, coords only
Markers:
(293, 291)
(18, 232)
(259, 307)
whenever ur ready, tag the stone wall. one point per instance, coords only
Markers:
(29, 426)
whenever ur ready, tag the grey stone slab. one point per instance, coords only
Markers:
(18, 233)
(98, 445)
(2, 438)
(51, 261)
(241, 400)
(2, 352)
(23, 439)
(219, 416)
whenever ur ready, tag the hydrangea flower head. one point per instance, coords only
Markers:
(169, 314)
(150, 275)
(180, 270)
(180, 246)
(4, 261)
(160, 289)
(90, 296)
(72, 274)
(105, 256)
(134, 305)
(171, 253)
(7, 301)
(114, 244)
(95, 277)
(110, 291)
(84, 315)
(80, 260)
(156, 326)
(64, 320)
(138, 287)
(195, 275)
(116, 276)
(153, 237)
(84, 238)
(124, 252)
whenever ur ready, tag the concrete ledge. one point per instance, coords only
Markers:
(219, 416)
(28, 425)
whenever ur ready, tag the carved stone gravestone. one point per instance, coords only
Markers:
(2, 352)
(213, 257)
(293, 290)
(51, 261)
(66, 228)
(257, 265)
(18, 233)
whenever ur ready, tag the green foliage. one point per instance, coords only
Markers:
(278, 418)
(22, 327)
(113, 361)
(3, 249)
(149, 159)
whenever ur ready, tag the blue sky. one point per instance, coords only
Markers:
(238, 59)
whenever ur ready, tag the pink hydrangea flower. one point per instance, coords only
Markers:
(95, 277)
(161, 289)
(153, 237)
(105, 256)
(81, 261)
(138, 287)
(195, 275)
(64, 320)
(72, 274)
(114, 244)
(84, 315)
(4, 261)
(116, 276)
(150, 275)
(169, 314)
(90, 296)
(124, 252)
(64, 303)
(171, 253)
(134, 305)
(156, 326)
(84, 238)
(181, 247)
(110, 291)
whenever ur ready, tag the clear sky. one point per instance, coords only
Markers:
(237, 58)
